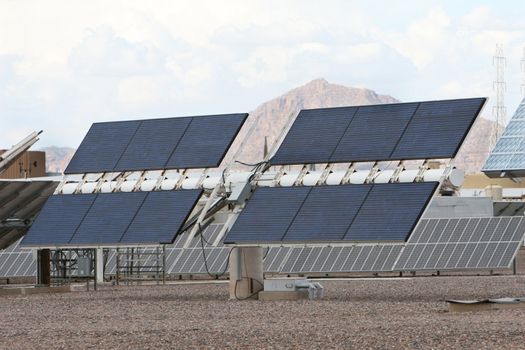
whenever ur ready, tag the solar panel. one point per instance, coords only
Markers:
(374, 132)
(268, 214)
(102, 147)
(170, 143)
(327, 213)
(112, 218)
(59, 219)
(108, 218)
(438, 129)
(314, 135)
(161, 216)
(380, 212)
(391, 211)
(464, 243)
(508, 156)
(206, 141)
(152, 144)
(425, 130)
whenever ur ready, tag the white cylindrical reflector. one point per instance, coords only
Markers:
(148, 185)
(168, 184)
(312, 178)
(335, 178)
(288, 179)
(108, 186)
(69, 188)
(359, 177)
(88, 187)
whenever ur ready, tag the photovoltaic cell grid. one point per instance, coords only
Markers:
(463, 243)
(421, 130)
(112, 218)
(509, 153)
(171, 143)
(379, 212)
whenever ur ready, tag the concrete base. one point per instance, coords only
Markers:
(246, 272)
(483, 306)
(269, 296)
(34, 290)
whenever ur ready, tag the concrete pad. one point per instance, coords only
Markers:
(269, 296)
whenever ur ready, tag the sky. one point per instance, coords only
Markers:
(66, 64)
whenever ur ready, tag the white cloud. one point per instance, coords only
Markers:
(423, 39)
(67, 63)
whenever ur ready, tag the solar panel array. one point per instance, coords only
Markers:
(463, 243)
(378, 212)
(431, 244)
(21, 200)
(171, 143)
(112, 218)
(424, 130)
(509, 153)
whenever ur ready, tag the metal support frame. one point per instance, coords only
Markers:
(399, 168)
(349, 171)
(302, 173)
(135, 265)
(326, 172)
(421, 173)
(202, 215)
(373, 173)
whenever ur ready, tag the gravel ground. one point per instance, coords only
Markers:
(383, 314)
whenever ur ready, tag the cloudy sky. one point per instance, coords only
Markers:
(65, 64)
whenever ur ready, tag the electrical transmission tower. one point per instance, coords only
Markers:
(499, 111)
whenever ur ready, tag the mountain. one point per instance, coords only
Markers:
(268, 121)
(272, 116)
(57, 158)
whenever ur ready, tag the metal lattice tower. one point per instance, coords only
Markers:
(523, 71)
(499, 111)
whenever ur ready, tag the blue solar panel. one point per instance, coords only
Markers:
(268, 214)
(314, 135)
(374, 132)
(422, 130)
(109, 217)
(206, 141)
(438, 129)
(102, 147)
(379, 212)
(171, 143)
(327, 213)
(153, 144)
(391, 211)
(58, 220)
(161, 216)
